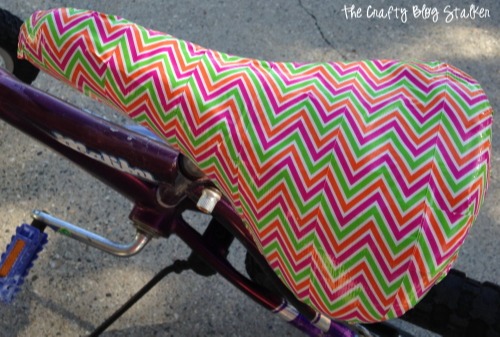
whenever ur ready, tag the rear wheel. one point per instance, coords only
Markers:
(459, 307)
(10, 26)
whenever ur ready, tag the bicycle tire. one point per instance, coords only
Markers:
(10, 26)
(459, 307)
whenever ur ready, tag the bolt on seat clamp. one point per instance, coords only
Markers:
(208, 199)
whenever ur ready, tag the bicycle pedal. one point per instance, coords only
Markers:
(18, 259)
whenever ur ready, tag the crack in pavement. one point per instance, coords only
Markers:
(320, 31)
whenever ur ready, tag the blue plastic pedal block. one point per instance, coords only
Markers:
(16, 262)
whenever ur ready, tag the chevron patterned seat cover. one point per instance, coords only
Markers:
(358, 180)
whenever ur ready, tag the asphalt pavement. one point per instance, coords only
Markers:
(72, 287)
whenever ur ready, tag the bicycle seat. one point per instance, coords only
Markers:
(358, 180)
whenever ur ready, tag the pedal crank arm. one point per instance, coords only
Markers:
(92, 239)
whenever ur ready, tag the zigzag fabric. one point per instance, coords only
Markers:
(359, 181)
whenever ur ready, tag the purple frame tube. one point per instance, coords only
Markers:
(41, 116)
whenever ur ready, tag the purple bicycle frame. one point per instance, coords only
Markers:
(112, 154)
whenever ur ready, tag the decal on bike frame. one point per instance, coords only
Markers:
(115, 162)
